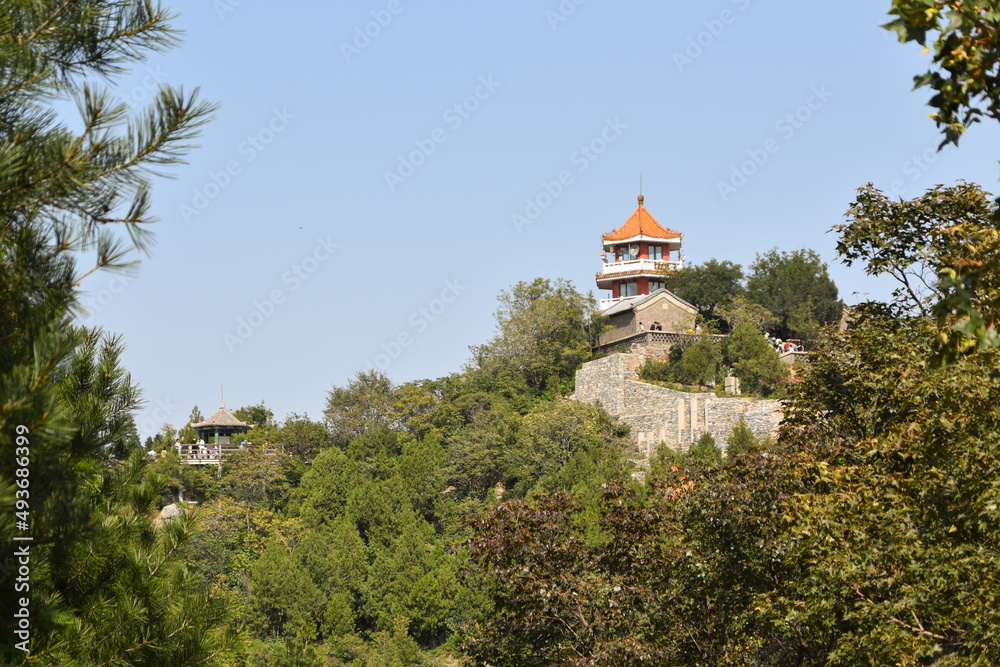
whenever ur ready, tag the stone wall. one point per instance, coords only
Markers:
(658, 414)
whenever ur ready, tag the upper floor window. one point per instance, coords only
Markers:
(628, 253)
(656, 252)
(655, 285)
(627, 288)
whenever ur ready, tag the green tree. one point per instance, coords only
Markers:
(366, 402)
(186, 434)
(753, 360)
(321, 496)
(940, 248)
(700, 362)
(255, 477)
(706, 450)
(544, 332)
(796, 288)
(164, 439)
(967, 85)
(740, 309)
(302, 437)
(966, 88)
(69, 189)
(259, 416)
(183, 483)
(549, 438)
(740, 439)
(707, 286)
(284, 596)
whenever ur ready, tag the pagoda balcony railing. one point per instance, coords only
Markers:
(604, 304)
(213, 454)
(630, 265)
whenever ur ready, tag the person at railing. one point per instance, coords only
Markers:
(640, 327)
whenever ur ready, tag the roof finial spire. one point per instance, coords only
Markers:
(640, 189)
(222, 395)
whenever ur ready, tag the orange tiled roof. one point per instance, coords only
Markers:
(641, 223)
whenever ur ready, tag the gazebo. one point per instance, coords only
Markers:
(220, 427)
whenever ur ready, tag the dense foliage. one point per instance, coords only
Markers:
(965, 78)
(106, 584)
(866, 535)
(745, 354)
(483, 516)
(788, 294)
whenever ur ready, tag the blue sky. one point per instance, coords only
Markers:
(356, 195)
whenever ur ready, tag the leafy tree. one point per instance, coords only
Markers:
(740, 309)
(795, 288)
(163, 440)
(706, 450)
(966, 85)
(741, 439)
(259, 416)
(302, 437)
(667, 458)
(544, 332)
(322, 494)
(658, 371)
(182, 482)
(700, 362)
(418, 404)
(948, 233)
(410, 580)
(753, 360)
(483, 428)
(893, 539)
(420, 470)
(255, 477)
(549, 438)
(708, 286)
(674, 577)
(187, 434)
(365, 403)
(284, 595)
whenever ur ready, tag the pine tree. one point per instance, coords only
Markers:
(106, 585)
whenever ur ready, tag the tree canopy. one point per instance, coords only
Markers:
(107, 583)
(707, 286)
(796, 289)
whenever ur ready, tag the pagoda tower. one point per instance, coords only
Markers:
(635, 257)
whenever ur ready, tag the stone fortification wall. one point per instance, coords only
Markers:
(604, 380)
(658, 414)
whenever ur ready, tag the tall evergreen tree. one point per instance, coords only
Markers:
(105, 584)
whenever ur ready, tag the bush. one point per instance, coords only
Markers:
(706, 450)
(665, 459)
(700, 362)
(740, 440)
(658, 371)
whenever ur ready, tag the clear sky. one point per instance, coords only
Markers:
(359, 185)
